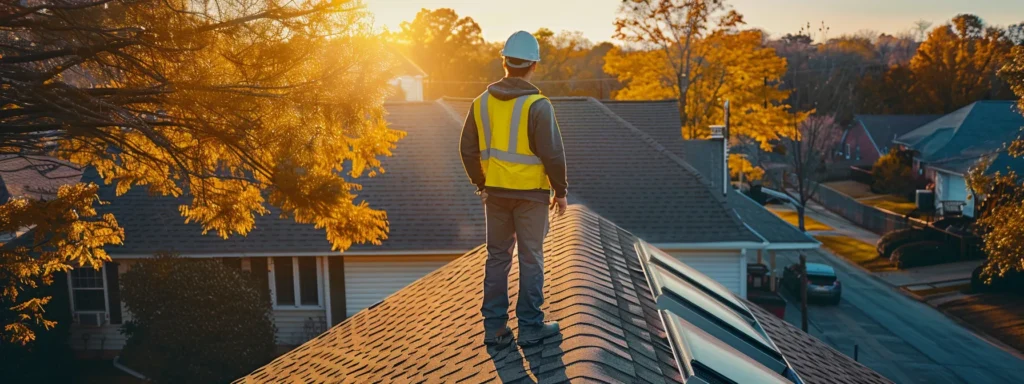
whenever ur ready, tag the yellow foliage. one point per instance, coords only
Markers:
(739, 164)
(727, 65)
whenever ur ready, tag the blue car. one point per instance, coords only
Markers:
(821, 282)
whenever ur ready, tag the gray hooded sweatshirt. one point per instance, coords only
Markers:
(545, 142)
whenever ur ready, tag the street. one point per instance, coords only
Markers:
(901, 338)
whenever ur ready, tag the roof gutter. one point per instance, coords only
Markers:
(725, 245)
(780, 195)
(432, 252)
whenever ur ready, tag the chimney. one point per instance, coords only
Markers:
(718, 135)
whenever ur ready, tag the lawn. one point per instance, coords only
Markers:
(890, 203)
(851, 188)
(1000, 315)
(857, 251)
(791, 217)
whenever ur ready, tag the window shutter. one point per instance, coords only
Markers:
(258, 265)
(336, 268)
(113, 292)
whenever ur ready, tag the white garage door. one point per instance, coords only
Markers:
(369, 279)
(725, 268)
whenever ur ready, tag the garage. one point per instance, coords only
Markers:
(727, 268)
(369, 279)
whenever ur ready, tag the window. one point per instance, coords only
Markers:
(87, 290)
(848, 151)
(858, 152)
(297, 281)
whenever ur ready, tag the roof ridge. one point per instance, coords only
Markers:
(449, 110)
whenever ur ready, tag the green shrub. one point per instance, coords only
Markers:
(898, 238)
(1012, 281)
(194, 321)
(920, 254)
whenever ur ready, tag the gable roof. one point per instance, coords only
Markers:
(660, 120)
(883, 129)
(34, 177)
(614, 168)
(624, 174)
(430, 203)
(597, 290)
(980, 128)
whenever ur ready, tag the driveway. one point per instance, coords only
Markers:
(901, 338)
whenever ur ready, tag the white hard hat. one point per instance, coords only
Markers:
(521, 45)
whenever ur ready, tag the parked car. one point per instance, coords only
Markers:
(821, 282)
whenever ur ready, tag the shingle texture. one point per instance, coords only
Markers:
(972, 131)
(660, 120)
(34, 177)
(884, 128)
(431, 331)
(430, 203)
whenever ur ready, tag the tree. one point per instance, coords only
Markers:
(195, 320)
(956, 65)
(451, 49)
(807, 152)
(562, 62)
(1001, 194)
(694, 52)
(892, 174)
(237, 104)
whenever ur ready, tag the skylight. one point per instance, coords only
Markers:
(702, 281)
(701, 352)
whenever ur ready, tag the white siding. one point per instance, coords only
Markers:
(727, 268)
(108, 336)
(296, 326)
(369, 279)
(952, 187)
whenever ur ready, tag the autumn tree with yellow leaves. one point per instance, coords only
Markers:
(693, 51)
(237, 105)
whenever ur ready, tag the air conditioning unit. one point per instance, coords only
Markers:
(91, 319)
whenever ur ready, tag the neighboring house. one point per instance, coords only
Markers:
(615, 169)
(871, 136)
(628, 312)
(408, 79)
(948, 147)
(33, 177)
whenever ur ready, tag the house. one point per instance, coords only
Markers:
(616, 169)
(33, 177)
(871, 136)
(407, 79)
(629, 313)
(947, 148)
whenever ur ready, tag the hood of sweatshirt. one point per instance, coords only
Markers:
(511, 87)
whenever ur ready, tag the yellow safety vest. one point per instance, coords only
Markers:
(505, 151)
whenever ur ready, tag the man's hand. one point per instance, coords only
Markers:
(559, 205)
(483, 196)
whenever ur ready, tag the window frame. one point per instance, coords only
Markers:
(106, 296)
(296, 284)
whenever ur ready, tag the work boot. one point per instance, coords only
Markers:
(501, 337)
(533, 335)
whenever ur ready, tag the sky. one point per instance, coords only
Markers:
(594, 18)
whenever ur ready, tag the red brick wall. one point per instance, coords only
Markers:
(856, 138)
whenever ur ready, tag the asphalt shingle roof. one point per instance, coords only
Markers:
(980, 128)
(660, 120)
(34, 177)
(883, 129)
(625, 175)
(431, 331)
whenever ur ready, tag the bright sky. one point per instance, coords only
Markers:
(594, 17)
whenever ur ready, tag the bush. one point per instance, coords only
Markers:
(898, 238)
(1012, 281)
(48, 359)
(893, 175)
(194, 321)
(920, 254)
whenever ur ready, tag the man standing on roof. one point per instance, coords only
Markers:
(512, 150)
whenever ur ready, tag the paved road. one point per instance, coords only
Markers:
(901, 338)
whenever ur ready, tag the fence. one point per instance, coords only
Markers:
(867, 217)
(861, 175)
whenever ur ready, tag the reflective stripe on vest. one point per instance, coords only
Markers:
(521, 169)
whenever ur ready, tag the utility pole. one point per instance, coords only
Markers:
(803, 292)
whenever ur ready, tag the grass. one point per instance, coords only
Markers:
(851, 188)
(891, 203)
(1000, 315)
(857, 251)
(791, 217)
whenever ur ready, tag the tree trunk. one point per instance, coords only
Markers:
(800, 218)
(684, 87)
